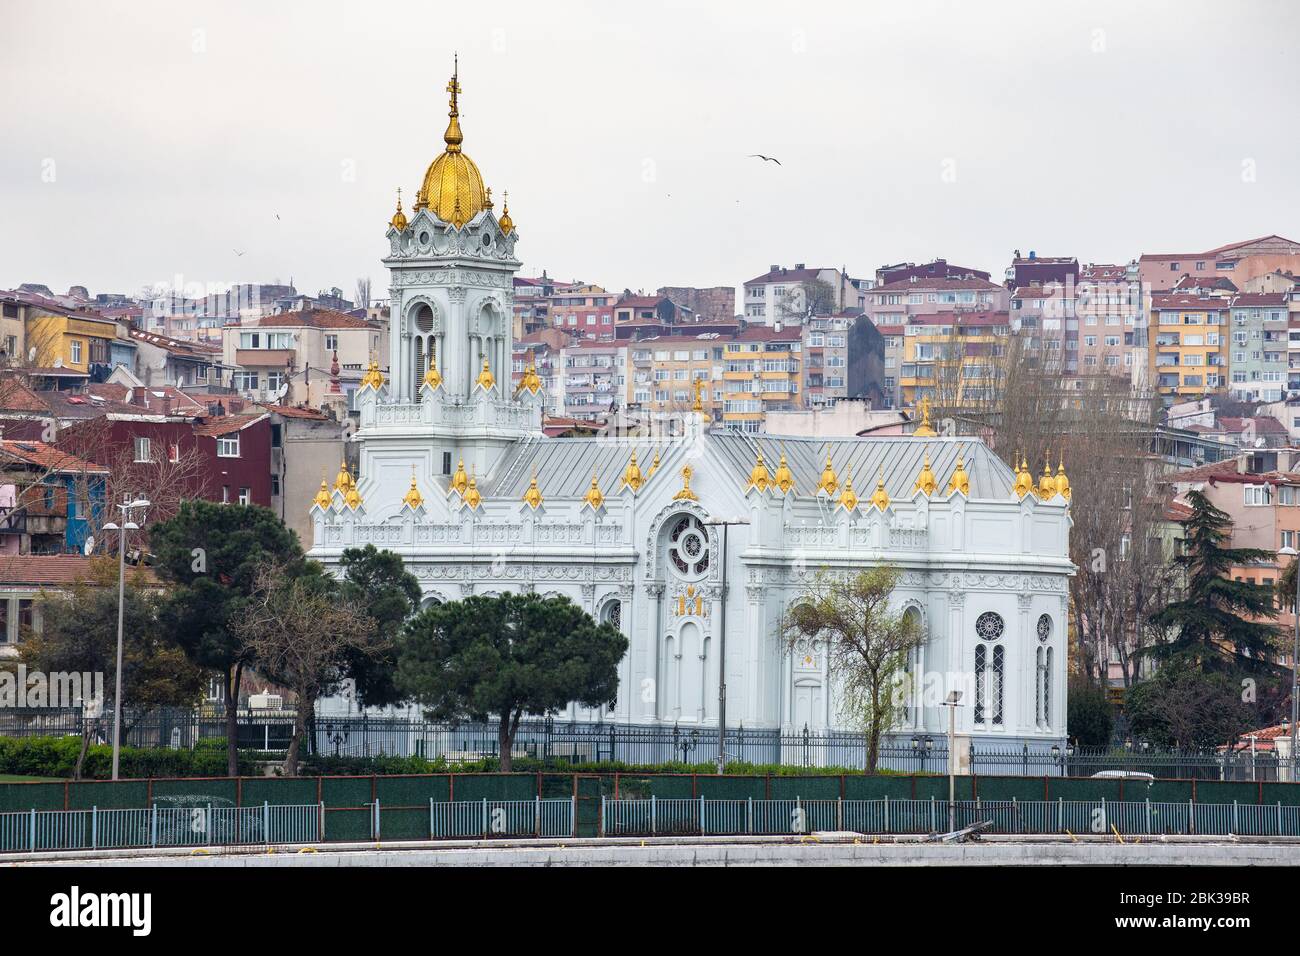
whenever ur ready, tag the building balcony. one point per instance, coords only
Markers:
(264, 358)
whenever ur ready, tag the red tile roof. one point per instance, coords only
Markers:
(227, 424)
(52, 570)
(48, 457)
(313, 318)
(1174, 301)
(786, 275)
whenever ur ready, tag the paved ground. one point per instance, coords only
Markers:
(829, 851)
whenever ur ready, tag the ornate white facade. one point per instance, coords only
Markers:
(498, 507)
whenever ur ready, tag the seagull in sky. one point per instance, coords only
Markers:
(767, 159)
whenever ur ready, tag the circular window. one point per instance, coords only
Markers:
(424, 319)
(688, 547)
(424, 238)
(612, 613)
(989, 626)
(1044, 627)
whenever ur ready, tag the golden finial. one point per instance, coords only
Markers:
(784, 477)
(925, 481)
(344, 480)
(848, 498)
(1047, 484)
(505, 222)
(698, 404)
(759, 477)
(373, 377)
(1062, 482)
(459, 481)
(529, 381)
(453, 137)
(472, 497)
(685, 494)
(323, 499)
(654, 465)
(632, 477)
(353, 498)
(413, 499)
(959, 481)
(487, 198)
(880, 497)
(1024, 480)
(533, 496)
(398, 221)
(594, 498)
(829, 481)
(432, 377)
(924, 430)
(485, 380)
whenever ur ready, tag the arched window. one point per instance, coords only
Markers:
(979, 683)
(612, 613)
(688, 547)
(990, 669)
(423, 345)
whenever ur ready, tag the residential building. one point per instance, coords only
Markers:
(713, 304)
(937, 269)
(1260, 347)
(761, 371)
(161, 360)
(1188, 345)
(80, 343)
(593, 379)
(894, 302)
(950, 357)
(50, 500)
(1041, 270)
(826, 359)
(1238, 261)
(1109, 310)
(663, 371)
(781, 294)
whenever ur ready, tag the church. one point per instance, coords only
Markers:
(693, 542)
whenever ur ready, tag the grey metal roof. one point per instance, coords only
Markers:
(564, 466)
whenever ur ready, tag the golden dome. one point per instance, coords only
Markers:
(829, 481)
(1047, 484)
(472, 496)
(453, 187)
(485, 379)
(784, 478)
(460, 480)
(759, 477)
(924, 430)
(413, 499)
(533, 496)
(632, 477)
(373, 377)
(594, 498)
(398, 221)
(925, 481)
(685, 493)
(323, 499)
(1024, 480)
(959, 481)
(848, 498)
(353, 498)
(880, 497)
(344, 480)
(505, 222)
(1062, 482)
(529, 381)
(432, 377)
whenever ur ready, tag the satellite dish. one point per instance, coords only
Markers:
(282, 391)
(89, 547)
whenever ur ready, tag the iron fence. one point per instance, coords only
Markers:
(559, 743)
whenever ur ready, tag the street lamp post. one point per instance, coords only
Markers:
(126, 507)
(1295, 658)
(724, 524)
(952, 703)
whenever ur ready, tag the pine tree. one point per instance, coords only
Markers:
(1221, 623)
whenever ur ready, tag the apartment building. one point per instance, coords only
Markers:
(826, 359)
(762, 370)
(895, 341)
(1187, 349)
(1045, 315)
(894, 302)
(1109, 309)
(1239, 261)
(1034, 269)
(951, 358)
(1259, 362)
(592, 379)
(782, 295)
(663, 371)
(937, 269)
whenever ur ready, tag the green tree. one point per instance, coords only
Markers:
(1183, 706)
(211, 554)
(79, 635)
(505, 657)
(1091, 719)
(866, 643)
(378, 582)
(1220, 624)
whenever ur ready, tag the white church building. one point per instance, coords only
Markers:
(456, 476)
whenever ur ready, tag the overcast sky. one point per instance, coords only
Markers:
(146, 141)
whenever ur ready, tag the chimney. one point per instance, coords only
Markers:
(799, 265)
(775, 267)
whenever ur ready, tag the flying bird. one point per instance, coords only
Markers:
(766, 159)
(236, 252)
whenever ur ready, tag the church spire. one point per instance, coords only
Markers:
(453, 137)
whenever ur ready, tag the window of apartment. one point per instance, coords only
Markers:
(142, 449)
(245, 496)
(75, 351)
(225, 494)
(1257, 494)
(1288, 539)
(275, 485)
(331, 342)
(246, 381)
(228, 446)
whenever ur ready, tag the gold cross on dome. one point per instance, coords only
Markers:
(453, 87)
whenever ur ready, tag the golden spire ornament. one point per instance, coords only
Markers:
(530, 381)
(959, 481)
(505, 222)
(632, 477)
(829, 481)
(472, 496)
(459, 481)
(1047, 484)
(784, 477)
(1062, 482)
(925, 481)
(413, 499)
(698, 404)
(398, 221)
(1024, 480)
(432, 377)
(485, 380)
(373, 377)
(759, 477)
(685, 493)
(848, 498)
(880, 497)
(533, 496)
(654, 465)
(353, 498)
(344, 480)
(594, 498)
(924, 430)
(323, 500)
